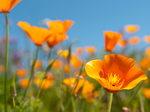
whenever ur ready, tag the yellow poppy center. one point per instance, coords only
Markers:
(114, 79)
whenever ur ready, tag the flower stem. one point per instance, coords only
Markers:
(14, 104)
(32, 71)
(6, 62)
(110, 102)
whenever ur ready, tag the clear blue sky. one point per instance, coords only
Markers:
(91, 18)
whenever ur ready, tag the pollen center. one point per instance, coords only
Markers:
(114, 79)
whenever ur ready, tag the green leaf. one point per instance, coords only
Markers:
(40, 75)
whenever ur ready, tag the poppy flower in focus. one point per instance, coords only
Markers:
(90, 49)
(24, 83)
(147, 39)
(57, 64)
(21, 72)
(7, 5)
(36, 34)
(146, 92)
(111, 39)
(79, 50)
(147, 51)
(115, 73)
(122, 43)
(1, 68)
(59, 30)
(131, 29)
(134, 40)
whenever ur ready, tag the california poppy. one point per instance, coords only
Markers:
(24, 83)
(64, 53)
(115, 73)
(21, 72)
(146, 92)
(76, 61)
(131, 29)
(7, 5)
(90, 49)
(79, 50)
(58, 30)
(36, 34)
(57, 64)
(147, 39)
(38, 64)
(134, 40)
(147, 51)
(122, 43)
(145, 63)
(66, 68)
(111, 39)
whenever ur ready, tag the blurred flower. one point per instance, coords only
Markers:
(66, 69)
(21, 72)
(147, 39)
(64, 53)
(1, 68)
(90, 49)
(75, 61)
(145, 63)
(134, 40)
(111, 39)
(36, 34)
(131, 29)
(24, 83)
(57, 64)
(147, 51)
(7, 5)
(47, 83)
(115, 73)
(38, 64)
(146, 92)
(82, 74)
(122, 43)
(79, 50)
(59, 30)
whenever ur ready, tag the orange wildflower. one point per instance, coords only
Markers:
(134, 40)
(59, 30)
(145, 63)
(47, 83)
(122, 43)
(66, 69)
(147, 51)
(75, 61)
(115, 73)
(111, 39)
(36, 34)
(24, 83)
(7, 5)
(147, 39)
(57, 64)
(90, 49)
(131, 29)
(38, 64)
(146, 92)
(64, 53)
(79, 50)
(21, 72)
(1, 68)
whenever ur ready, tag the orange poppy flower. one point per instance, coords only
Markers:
(111, 39)
(36, 34)
(147, 39)
(147, 51)
(146, 92)
(75, 61)
(21, 72)
(79, 50)
(145, 63)
(47, 83)
(24, 83)
(122, 43)
(134, 40)
(90, 49)
(66, 69)
(38, 64)
(115, 73)
(59, 30)
(131, 29)
(7, 5)
(57, 64)
(1, 68)
(64, 53)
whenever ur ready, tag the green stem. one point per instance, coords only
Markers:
(141, 102)
(6, 62)
(32, 71)
(110, 102)
(14, 104)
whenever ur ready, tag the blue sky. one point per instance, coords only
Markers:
(91, 18)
